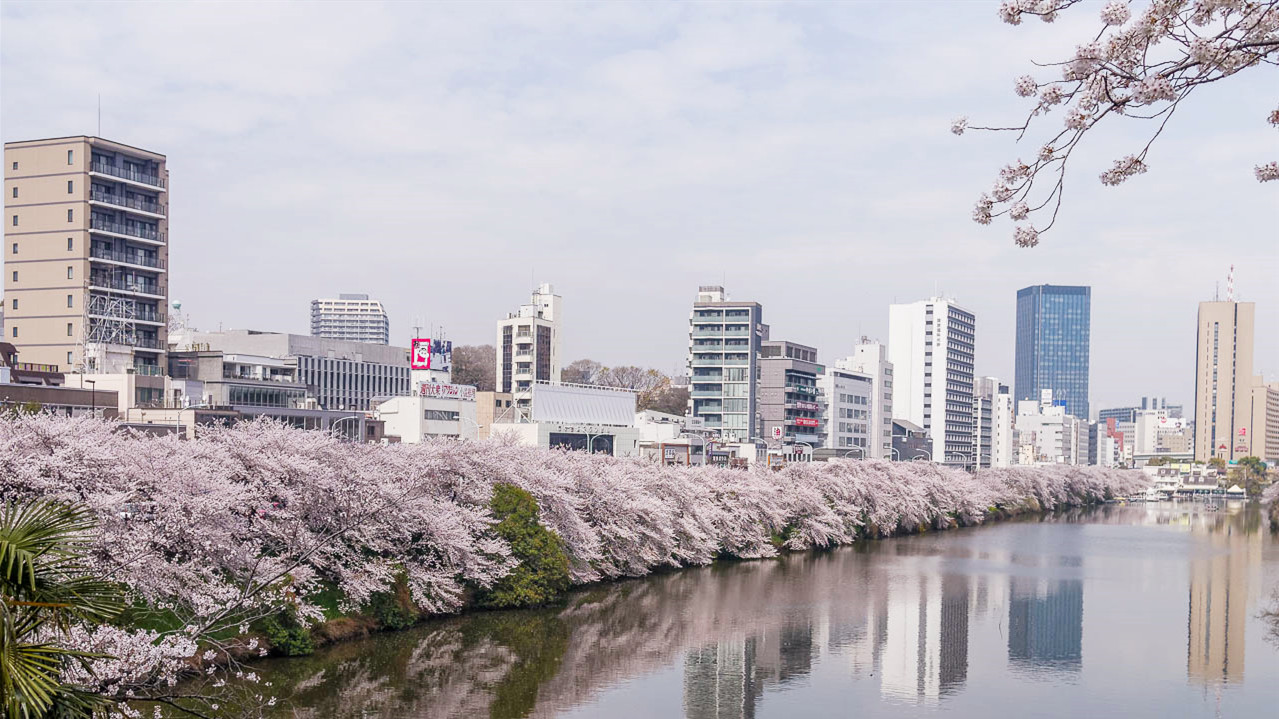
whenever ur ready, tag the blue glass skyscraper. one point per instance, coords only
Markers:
(1052, 345)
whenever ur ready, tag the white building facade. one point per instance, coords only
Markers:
(435, 410)
(350, 317)
(845, 398)
(1048, 435)
(528, 346)
(931, 345)
(871, 359)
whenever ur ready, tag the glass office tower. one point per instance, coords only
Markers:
(1052, 345)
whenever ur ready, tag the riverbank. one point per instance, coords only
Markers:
(264, 531)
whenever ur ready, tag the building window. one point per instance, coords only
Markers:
(15, 331)
(15, 165)
(15, 248)
(68, 359)
(70, 186)
(15, 303)
(70, 272)
(70, 300)
(70, 244)
(15, 220)
(70, 215)
(70, 157)
(15, 275)
(69, 329)
(15, 190)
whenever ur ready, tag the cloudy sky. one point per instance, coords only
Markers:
(445, 157)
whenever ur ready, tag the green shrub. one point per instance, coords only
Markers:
(287, 635)
(542, 573)
(393, 609)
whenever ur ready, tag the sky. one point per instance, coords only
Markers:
(445, 158)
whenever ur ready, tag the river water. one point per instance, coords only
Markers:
(1138, 611)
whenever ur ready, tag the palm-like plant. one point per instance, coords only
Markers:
(45, 588)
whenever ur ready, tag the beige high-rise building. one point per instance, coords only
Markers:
(1265, 420)
(1223, 381)
(86, 254)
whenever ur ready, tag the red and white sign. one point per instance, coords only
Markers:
(420, 354)
(777, 433)
(442, 390)
(1243, 431)
(806, 422)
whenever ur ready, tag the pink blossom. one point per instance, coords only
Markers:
(1123, 169)
(1115, 13)
(1026, 236)
(1018, 211)
(958, 125)
(1267, 172)
(1026, 86)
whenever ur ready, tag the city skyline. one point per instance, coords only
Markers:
(850, 228)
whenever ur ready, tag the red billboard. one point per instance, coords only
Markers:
(806, 422)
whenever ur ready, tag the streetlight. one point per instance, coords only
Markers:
(810, 449)
(895, 453)
(93, 397)
(460, 418)
(967, 457)
(857, 449)
(191, 407)
(928, 455)
(334, 425)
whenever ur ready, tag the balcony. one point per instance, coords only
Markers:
(153, 208)
(127, 258)
(146, 343)
(121, 285)
(148, 370)
(122, 173)
(130, 231)
(151, 317)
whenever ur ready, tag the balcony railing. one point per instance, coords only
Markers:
(149, 370)
(154, 208)
(127, 174)
(133, 258)
(149, 288)
(146, 343)
(151, 316)
(130, 230)
(35, 367)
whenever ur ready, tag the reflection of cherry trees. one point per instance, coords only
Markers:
(246, 521)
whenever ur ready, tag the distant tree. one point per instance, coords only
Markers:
(1158, 461)
(583, 371)
(1251, 473)
(475, 365)
(1217, 463)
(1140, 65)
(671, 400)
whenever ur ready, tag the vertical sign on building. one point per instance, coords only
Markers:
(426, 353)
(420, 354)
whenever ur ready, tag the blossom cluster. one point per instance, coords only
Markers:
(1141, 64)
(244, 521)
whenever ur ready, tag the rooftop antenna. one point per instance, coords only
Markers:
(1230, 285)
(99, 114)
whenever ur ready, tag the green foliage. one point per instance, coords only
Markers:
(44, 585)
(287, 635)
(538, 640)
(542, 573)
(394, 609)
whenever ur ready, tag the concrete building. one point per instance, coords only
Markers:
(434, 410)
(931, 346)
(528, 346)
(86, 252)
(846, 398)
(351, 318)
(910, 441)
(1157, 434)
(1129, 414)
(871, 359)
(1047, 435)
(1265, 420)
(27, 386)
(724, 341)
(1223, 380)
(1108, 445)
(576, 417)
(491, 407)
(993, 417)
(1053, 326)
(788, 396)
(672, 439)
(339, 374)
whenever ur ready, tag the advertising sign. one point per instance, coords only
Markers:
(806, 422)
(442, 390)
(777, 433)
(810, 406)
(426, 353)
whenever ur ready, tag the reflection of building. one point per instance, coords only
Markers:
(1046, 623)
(720, 681)
(786, 652)
(926, 653)
(1219, 599)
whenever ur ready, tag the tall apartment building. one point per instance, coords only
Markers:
(1223, 380)
(930, 344)
(528, 346)
(1053, 325)
(339, 374)
(1265, 420)
(846, 401)
(86, 254)
(352, 318)
(788, 394)
(871, 359)
(993, 418)
(724, 340)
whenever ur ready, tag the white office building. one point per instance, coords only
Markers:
(434, 410)
(724, 341)
(353, 318)
(576, 417)
(871, 359)
(930, 344)
(993, 418)
(845, 398)
(1048, 435)
(528, 346)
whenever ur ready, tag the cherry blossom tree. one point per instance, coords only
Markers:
(1142, 63)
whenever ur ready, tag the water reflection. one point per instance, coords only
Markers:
(901, 621)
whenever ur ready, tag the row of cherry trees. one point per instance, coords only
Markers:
(209, 535)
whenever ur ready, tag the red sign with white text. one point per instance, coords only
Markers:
(806, 422)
